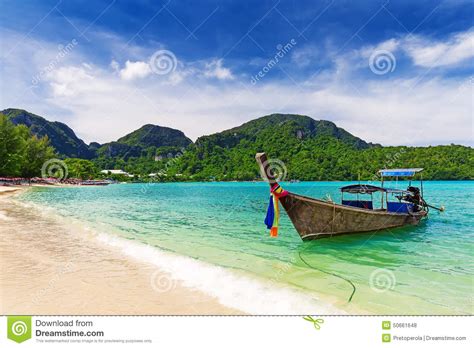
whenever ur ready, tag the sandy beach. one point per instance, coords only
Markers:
(49, 268)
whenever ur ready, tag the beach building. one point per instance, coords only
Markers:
(116, 172)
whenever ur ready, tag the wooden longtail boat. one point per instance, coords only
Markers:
(315, 218)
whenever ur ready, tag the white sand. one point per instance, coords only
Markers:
(49, 268)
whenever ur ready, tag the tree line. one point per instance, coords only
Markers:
(227, 157)
(21, 153)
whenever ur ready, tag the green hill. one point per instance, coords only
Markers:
(309, 150)
(312, 150)
(61, 137)
(302, 127)
(146, 141)
(142, 142)
(152, 135)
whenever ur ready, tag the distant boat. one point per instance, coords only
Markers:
(315, 218)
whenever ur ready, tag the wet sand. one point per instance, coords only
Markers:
(47, 267)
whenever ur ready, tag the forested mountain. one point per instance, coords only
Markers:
(308, 149)
(152, 135)
(313, 150)
(60, 136)
(303, 128)
(145, 145)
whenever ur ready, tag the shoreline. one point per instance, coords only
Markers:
(89, 271)
(8, 190)
(47, 268)
(109, 271)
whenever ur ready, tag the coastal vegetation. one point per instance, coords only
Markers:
(61, 137)
(308, 150)
(81, 168)
(22, 153)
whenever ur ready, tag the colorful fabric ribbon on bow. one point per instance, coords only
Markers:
(273, 211)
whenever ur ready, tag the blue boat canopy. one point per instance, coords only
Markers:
(400, 172)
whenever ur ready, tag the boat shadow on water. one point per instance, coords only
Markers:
(346, 264)
(335, 258)
(345, 247)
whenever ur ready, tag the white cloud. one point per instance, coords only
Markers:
(216, 69)
(402, 111)
(306, 56)
(428, 53)
(388, 112)
(135, 70)
(115, 65)
(207, 69)
(390, 45)
(456, 49)
(64, 81)
(91, 98)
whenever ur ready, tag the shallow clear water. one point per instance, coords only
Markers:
(426, 269)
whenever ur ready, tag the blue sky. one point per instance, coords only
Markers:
(380, 63)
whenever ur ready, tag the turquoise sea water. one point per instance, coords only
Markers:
(426, 269)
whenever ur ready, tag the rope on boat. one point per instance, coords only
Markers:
(330, 273)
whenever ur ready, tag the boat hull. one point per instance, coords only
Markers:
(314, 219)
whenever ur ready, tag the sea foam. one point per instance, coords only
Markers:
(232, 288)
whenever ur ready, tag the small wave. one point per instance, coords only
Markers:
(231, 288)
(242, 292)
